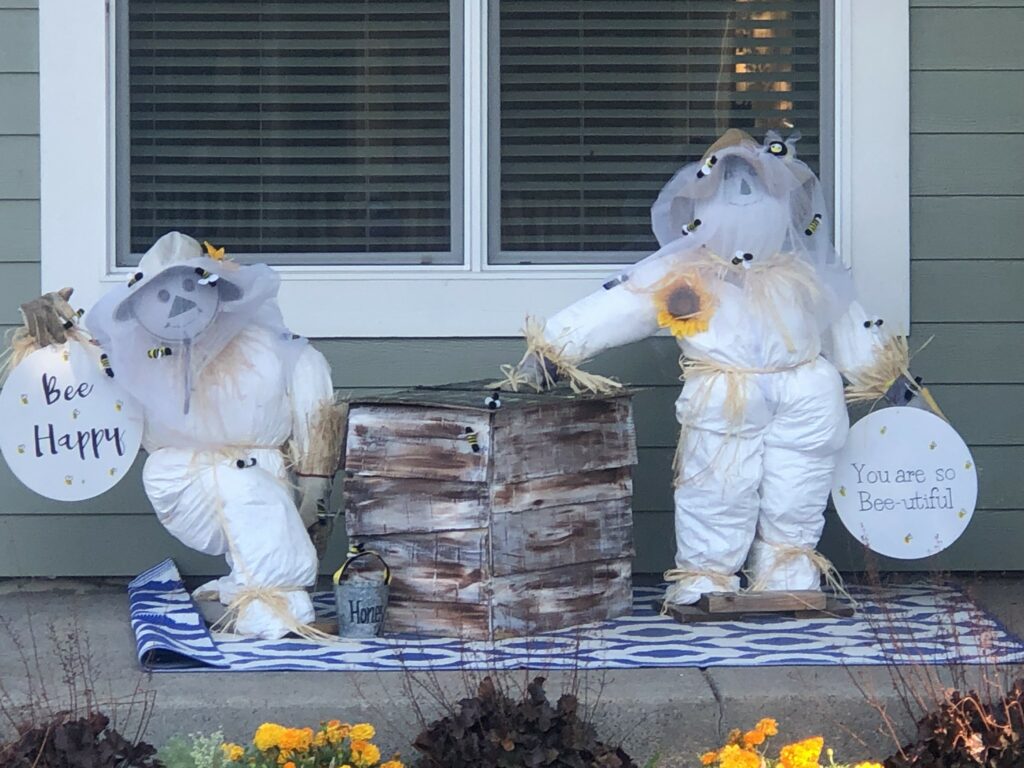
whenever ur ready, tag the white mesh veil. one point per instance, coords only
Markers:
(695, 217)
(202, 304)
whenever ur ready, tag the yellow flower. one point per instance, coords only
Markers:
(393, 764)
(709, 758)
(296, 739)
(684, 306)
(768, 726)
(232, 752)
(267, 736)
(734, 756)
(289, 764)
(217, 254)
(802, 754)
(734, 737)
(320, 739)
(337, 731)
(753, 738)
(362, 732)
(284, 757)
(868, 765)
(364, 754)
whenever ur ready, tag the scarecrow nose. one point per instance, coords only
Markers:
(180, 306)
(745, 188)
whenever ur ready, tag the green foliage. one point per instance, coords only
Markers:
(194, 751)
(491, 730)
(86, 742)
(967, 731)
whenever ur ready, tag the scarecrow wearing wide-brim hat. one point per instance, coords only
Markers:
(748, 282)
(238, 412)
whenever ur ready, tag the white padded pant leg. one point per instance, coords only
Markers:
(716, 502)
(800, 449)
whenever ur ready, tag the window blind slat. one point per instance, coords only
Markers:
(290, 127)
(602, 101)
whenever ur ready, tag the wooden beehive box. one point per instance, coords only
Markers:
(531, 532)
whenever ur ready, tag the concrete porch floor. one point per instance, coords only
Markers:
(676, 713)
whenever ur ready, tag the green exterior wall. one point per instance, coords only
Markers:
(967, 231)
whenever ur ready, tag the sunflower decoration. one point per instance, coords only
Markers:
(684, 306)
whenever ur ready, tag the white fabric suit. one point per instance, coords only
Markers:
(762, 410)
(219, 409)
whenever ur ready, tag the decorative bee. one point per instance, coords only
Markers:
(778, 148)
(813, 226)
(21, 448)
(493, 400)
(688, 228)
(472, 439)
(615, 281)
(118, 406)
(876, 323)
(243, 464)
(75, 413)
(742, 258)
(705, 169)
(217, 254)
(68, 479)
(112, 472)
(134, 279)
(907, 539)
(65, 355)
(207, 278)
(24, 399)
(105, 365)
(932, 445)
(962, 514)
(842, 490)
(157, 352)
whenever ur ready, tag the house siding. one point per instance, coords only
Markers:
(967, 224)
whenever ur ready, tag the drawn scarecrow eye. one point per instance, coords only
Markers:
(163, 295)
(188, 284)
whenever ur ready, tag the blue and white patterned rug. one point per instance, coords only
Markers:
(908, 624)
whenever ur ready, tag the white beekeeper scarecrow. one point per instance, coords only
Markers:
(748, 282)
(227, 391)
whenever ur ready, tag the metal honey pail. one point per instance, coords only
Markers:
(361, 603)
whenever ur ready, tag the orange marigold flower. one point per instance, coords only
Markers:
(393, 764)
(709, 758)
(364, 754)
(734, 756)
(868, 765)
(289, 764)
(802, 754)
(267, 736)
(362, 732)
(337, 731)
(753, 738)
(735, 736)
(768, 726)
(232, 752)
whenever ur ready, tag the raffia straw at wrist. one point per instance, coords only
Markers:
(567, 366)
(327, 427)
(892, 360)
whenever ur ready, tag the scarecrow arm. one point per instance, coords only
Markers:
(317, 433)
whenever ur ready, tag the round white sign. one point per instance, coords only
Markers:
(905, 484)
(69, 431)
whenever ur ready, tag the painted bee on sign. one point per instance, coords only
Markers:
(206, 277)
(134, 279)
(688, 228)
(813, 226)
(68, 479)
(705, 169)
(157, 352)
(105, 365)
(24, 399)
(472, 439)
(21, 448)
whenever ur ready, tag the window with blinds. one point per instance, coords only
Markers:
(294, 132)
(599, 102)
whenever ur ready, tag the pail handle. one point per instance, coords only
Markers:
(340, 573)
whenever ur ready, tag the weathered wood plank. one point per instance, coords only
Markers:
(395, 441)
(963, 227)
(466, 621)
(544, 600)
(984, 102)
(550, 537)
(966, 38)
(585, 435)
(386, 505)
(448, 565)
(761, 602)
(557, 490)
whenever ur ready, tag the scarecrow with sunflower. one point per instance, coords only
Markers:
(749, 284)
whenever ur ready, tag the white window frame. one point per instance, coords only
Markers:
(77, 150)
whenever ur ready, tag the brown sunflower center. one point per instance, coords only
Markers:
(683, 302)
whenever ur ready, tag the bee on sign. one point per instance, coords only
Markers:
(21, 448)
(134, 279)
(688, 228)
(105, 365)
(705, 169)
(206, 277)
(813, 226)
(68, 479)
(472, 439)
(157, 352)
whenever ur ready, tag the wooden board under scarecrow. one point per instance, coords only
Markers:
(497, 522)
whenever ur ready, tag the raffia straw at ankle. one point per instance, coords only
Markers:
(567, 366)
(276, 602)
(785, 555)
